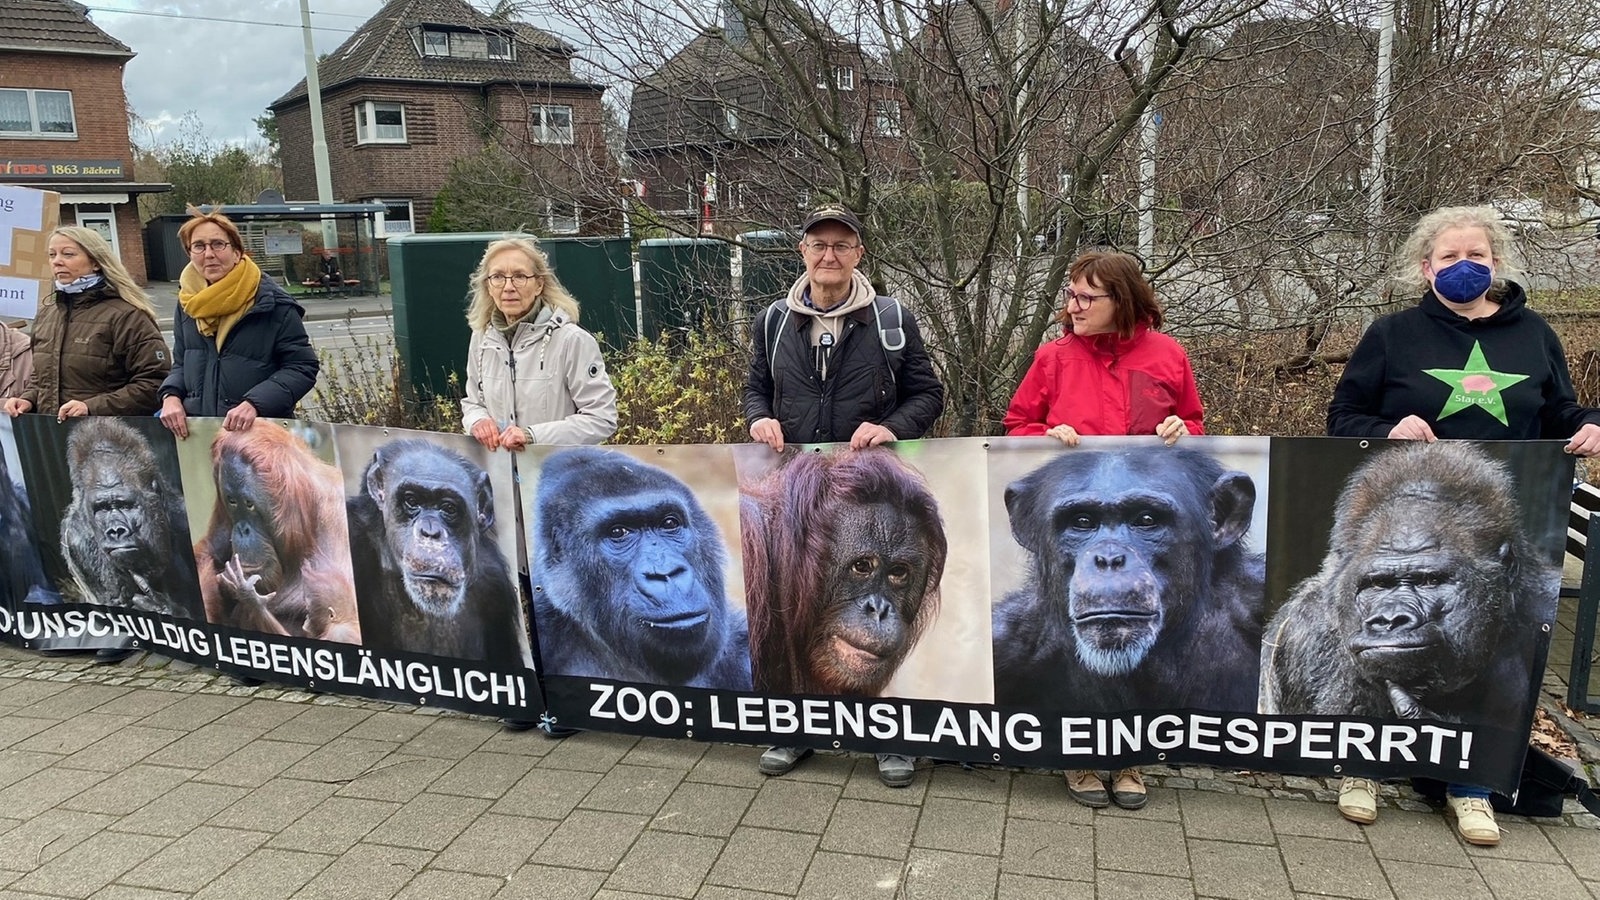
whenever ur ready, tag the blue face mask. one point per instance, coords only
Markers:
(1462, 282)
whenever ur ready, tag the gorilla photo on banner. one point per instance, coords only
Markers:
(113, 486)
(274, 551)
(629, 575)
(1432, 598)
(426, 518)
(844, 553)
(1141, 587)
(22, 578)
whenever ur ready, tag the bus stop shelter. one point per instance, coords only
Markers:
(286, 239)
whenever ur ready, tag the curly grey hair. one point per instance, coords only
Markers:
(1407, 267)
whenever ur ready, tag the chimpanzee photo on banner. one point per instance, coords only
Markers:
(338, 558)
(1300, 605)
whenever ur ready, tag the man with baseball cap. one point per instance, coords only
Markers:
(834, 361)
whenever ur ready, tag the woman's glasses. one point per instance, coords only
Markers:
(1085, 300)
(518, 280)
(214, 245)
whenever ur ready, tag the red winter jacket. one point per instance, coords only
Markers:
(1101, 384)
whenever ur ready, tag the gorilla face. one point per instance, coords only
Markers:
(660, 601)
(628, 576)
(1424, 603)
(118, 510)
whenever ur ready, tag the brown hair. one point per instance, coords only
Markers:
(1119, 275)
(186, 230)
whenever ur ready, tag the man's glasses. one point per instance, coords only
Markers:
(518, 280)
(839, 249)
(1085, 300)
(215, 246)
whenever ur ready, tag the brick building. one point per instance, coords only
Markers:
(724, 143)
(64, 119)
(425, 82)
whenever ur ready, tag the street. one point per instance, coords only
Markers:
(357, 345)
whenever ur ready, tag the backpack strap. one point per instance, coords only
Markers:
(773, 325)
(891, 331)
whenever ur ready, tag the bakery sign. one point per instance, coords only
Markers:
(19, 170)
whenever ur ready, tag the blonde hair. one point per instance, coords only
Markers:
(1407, 267)
(115, 273)
(554, 295)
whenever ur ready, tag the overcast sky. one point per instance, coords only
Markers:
(226, 71)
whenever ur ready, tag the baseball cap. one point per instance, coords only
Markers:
(832, 214)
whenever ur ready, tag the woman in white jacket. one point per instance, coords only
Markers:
(533, 376)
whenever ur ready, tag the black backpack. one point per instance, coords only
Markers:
(1546, 781)
(885, 311)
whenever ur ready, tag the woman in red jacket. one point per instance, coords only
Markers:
(1111, 373)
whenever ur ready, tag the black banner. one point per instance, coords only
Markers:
(1307, 605)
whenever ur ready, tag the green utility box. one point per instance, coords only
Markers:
(429, 274)
(771, 264)
(684, 282)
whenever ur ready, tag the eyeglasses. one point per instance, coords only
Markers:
(821, 249)
(1085, 300)
(518, 280)
(215, 246)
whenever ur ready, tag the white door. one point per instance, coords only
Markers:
(103, 220)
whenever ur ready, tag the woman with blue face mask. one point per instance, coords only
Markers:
(1471, 362)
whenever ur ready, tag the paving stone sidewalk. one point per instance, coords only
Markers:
(155, 779)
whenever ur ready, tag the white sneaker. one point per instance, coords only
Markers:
(1475, 820)
(1358, 800)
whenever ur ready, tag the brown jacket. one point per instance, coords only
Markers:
(97, 348)
(16, 361)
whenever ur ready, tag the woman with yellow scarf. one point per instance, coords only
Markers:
(239, 347)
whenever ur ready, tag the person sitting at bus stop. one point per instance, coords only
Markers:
(331, 277)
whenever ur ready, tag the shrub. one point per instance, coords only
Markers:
(681, 391)
(357, 387)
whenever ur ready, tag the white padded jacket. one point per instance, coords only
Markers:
(548, 378)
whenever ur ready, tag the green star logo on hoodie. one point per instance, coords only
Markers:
(1476, 385)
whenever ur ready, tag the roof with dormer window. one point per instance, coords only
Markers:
(389, 47)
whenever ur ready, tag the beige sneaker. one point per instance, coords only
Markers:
(1475, 820)
(1127, 789)
(1085, 786)
(1358, 800)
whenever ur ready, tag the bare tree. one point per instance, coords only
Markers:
(988, 141)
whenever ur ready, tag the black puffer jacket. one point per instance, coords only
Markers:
(859, 388)
(267, 360)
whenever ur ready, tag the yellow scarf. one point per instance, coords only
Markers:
(216, 308)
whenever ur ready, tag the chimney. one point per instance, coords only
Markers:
(733, 24)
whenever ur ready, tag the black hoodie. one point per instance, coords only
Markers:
(1501, 377)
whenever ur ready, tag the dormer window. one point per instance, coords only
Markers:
(466, 44)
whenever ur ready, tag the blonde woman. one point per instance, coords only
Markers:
(533, 376)
(96, 347)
